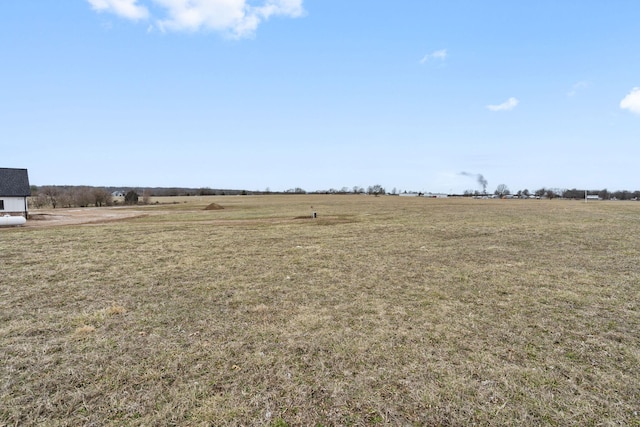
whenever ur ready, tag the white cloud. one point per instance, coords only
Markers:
(631, 102)
(578, 87)
(508, 105)
(440, 55)
(126, 8)
(236, 18)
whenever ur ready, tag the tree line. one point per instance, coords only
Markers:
(604, 194)
(68, 196)
(83, 196)
(551, 193)
(375, 190)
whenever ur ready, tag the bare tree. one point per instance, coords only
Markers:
(51, 194)
(82, 196)
(37, 200)
(146, 196)
(502, 190)
(376, 190)
(296, 190)
(131, 198)
(102, 197)
(604, 194)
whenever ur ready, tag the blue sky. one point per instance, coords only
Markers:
(322, 94)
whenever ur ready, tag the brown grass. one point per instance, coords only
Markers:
(213, 207)
(385, 310)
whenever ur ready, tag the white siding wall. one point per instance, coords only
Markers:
(13, 204)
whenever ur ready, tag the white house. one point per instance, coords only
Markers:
(14, 190)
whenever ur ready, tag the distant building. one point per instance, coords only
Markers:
(428, 195)
(14, 190)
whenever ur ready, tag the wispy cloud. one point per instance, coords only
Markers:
(438, 55)
(631, 102)
(578, 87)
(126, 8)
(235, 18)
(508, 105)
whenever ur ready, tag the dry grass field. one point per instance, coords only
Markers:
(381, 311)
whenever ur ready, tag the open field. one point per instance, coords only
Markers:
(383, 310)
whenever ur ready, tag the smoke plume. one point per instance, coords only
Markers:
(479, 179)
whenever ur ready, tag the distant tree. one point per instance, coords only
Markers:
(574, 193)
(131, 198)
(82, 196)
(146, 196)
(204, 191)
(101, 197)
(624, 195)
(296, 190)
(551, 193)
(376, 190)
(37, 199)
(502, 190)
(540, 192)
(604, 194)
(525, 193)
(66, 198)
(51, 194)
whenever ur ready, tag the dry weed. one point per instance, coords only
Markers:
(383, 310)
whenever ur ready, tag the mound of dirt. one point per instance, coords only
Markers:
(213, 207)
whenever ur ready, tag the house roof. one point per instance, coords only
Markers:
(14, 183)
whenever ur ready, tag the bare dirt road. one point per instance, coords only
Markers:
(78, 216)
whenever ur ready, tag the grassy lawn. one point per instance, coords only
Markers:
(382, 310)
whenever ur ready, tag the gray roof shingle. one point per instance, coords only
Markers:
(14, 183)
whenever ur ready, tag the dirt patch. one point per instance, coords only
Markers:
(55, 217)
(213, 207)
